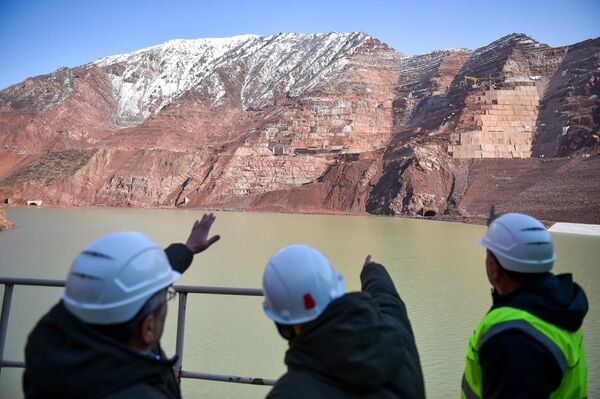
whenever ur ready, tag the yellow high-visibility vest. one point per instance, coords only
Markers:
(567, 347)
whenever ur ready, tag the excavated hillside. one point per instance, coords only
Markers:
(448, 159)
(334, 123)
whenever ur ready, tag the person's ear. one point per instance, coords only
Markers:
(496, 269)
(146, 329)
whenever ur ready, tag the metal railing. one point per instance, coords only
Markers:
(182, 290)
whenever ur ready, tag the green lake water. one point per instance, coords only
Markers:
(438, 268)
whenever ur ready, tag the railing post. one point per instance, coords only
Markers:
(8, 290)
(180, 334)
(182, 290)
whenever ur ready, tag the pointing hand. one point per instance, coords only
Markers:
(492, 215)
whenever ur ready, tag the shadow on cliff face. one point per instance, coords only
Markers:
(569, 117)
(385, 194)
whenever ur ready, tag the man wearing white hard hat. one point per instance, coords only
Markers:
(102, 339)
(530, 343)
(341, 345)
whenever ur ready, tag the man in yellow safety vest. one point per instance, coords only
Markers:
(530, 343)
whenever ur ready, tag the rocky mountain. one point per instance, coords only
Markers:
(336, 122)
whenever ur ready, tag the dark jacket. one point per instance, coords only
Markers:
(361, 346)
(515, 365)
(67, 358)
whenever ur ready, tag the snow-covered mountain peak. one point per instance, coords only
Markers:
(265, 67)
(183, 47)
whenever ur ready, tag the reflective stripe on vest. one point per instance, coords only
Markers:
(565, 346)
(525, 327)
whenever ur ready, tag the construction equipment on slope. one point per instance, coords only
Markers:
(475, 80)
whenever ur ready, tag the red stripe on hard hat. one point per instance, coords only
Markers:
(309, 301)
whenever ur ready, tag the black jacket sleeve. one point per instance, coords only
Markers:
(180, 257)
(376, 281)
(515, 365)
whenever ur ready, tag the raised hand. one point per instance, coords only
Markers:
(198, 240)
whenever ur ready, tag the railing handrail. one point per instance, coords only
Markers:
(32, 281)
(182, 290)
(188, 289)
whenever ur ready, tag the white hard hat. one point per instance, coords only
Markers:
(298, 283)
(112, 278)
(521, 243)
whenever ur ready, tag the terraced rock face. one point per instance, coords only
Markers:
(476, 125)
(310, 123)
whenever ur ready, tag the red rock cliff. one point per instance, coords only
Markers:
(313, 123)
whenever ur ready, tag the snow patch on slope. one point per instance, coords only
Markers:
(257, 69)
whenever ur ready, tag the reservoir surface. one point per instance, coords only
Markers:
(438, 269)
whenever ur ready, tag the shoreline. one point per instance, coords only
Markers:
(5, 222)
(552, 225)
(473, 220)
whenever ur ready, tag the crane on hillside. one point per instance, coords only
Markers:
(475, 80)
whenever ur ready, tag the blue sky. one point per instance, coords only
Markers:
(38, 36)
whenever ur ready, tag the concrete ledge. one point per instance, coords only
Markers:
(576, 228)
